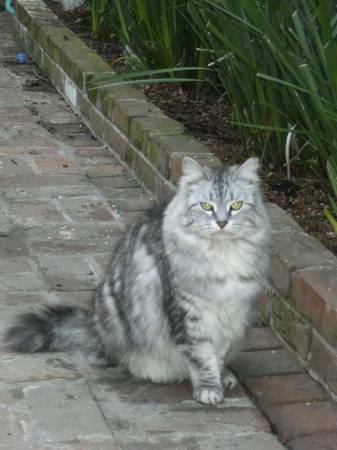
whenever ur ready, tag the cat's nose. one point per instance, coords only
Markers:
(222, 223)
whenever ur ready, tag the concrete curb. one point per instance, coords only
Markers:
(302, 306)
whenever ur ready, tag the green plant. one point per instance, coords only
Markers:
(155, 34)
(277, 62)
(100, 18)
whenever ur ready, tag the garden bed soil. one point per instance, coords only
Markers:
(207, 117)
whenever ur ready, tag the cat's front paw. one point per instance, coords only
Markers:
(208, 396)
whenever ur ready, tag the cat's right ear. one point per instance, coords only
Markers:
(191, 169)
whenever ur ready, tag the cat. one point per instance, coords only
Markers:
(178, 293)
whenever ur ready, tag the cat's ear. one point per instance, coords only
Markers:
(191, 169)
(249, 170)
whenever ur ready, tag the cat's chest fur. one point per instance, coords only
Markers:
(218, 280)
(215, 270)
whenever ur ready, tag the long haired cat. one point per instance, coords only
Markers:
(179, 289)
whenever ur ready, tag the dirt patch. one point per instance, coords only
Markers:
(208, 118)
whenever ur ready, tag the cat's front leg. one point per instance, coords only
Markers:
(201, 360)
(204, 372)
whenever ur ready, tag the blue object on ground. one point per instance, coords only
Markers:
(21, 58)
(9, 7)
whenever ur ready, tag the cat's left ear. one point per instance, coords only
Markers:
(191, 169)
(249, 170)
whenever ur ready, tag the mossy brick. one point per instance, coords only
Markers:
(145, 171)
(142, 128)
(23, 15)
(314, 293)
(292, 249)
(323, 362)
(104, 98)
(125, 110)
(294, 329)
(130, 156)
(115, 139)
(162, 148)
(75, 58)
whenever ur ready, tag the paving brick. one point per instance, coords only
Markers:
(52, 191)
(86, 208)
(32, 212)
(317, 441)
(24, 368)
(261, 338)
(74, 247)
(94, 444)
(101, 169)
(27, 149)
(13, 245)
(56, 165)
(11, 432)
(68, 273)
(108, 185)
(6, 95)
(15, 264)
(25, 133)
(266, 362)
(323, 361)
(198, 441)
(14, 167)
(74, 231)
(90, 152)
(14, 112)
(43, 181)
(6, 225)
(125, 413)
(315, 295)
(52, 403)
(297, 419)
(285, 389)
(21, 282)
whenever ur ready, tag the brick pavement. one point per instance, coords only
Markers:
(64, 201)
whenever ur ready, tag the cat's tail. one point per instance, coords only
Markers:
(53, 328)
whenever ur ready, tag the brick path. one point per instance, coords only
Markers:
(64, 201)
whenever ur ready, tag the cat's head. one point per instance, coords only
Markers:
(221, 202)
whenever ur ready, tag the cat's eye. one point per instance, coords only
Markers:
(206, 206)
(236, 205)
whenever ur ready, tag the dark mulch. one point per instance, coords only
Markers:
(208, 118)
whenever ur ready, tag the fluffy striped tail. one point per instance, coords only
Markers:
(53, 328)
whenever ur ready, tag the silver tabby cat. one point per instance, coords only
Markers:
(178, 292)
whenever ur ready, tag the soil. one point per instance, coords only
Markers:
(208, 118)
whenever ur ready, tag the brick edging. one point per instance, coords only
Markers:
(302, 305)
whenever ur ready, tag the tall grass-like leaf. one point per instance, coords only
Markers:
(291, 48)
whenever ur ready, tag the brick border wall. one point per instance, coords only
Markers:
(301, 305)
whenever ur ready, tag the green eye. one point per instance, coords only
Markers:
(236, 205)
(206, 206)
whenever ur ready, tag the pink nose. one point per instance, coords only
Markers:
(222, 224)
